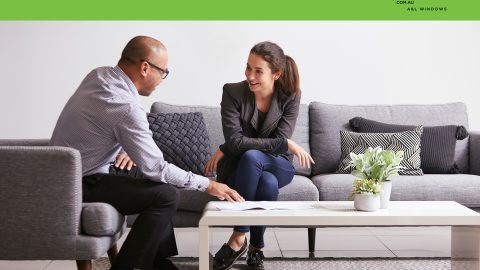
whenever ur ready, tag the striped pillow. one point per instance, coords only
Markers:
(407, 141)
(438, 142)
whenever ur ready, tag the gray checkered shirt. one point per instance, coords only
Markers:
(104, 117)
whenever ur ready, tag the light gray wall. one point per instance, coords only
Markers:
(349, 62)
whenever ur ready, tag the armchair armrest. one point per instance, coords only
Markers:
(40, 200)
(24, 142)
(474, 145)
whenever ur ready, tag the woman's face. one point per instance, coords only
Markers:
(259, 75)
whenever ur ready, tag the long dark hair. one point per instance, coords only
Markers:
(289, 81)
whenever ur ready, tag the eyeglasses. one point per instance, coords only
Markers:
(165, 72)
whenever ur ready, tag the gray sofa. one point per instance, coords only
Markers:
(318, 130)
(40, 186)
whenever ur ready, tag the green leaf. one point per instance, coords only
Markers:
(365, 186)
(376, 163)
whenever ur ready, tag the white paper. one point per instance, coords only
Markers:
(265, 205)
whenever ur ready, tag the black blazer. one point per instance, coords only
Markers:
(242, 131)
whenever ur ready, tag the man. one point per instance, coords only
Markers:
(105, 122)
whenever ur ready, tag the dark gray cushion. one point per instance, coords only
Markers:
(211, 117)
(407, 141)
(326, 120)
(101, 219)
(438, 142)
(474, 139)
(183, 139)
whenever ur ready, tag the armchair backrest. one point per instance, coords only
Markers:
(40, 200)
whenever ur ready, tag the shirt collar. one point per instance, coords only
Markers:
(131, 87)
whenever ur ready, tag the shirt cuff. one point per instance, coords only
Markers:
(201, 183)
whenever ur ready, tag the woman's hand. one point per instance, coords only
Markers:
(304, 158)
(211, 166)
(123, 160)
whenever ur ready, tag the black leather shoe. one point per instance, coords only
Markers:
(255, 259)
(226, 256)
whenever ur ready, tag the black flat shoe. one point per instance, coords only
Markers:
(226, 256)
(255, 259)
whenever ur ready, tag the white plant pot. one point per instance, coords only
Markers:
(366, 202)
(385, 194)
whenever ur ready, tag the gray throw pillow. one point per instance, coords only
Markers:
(182, 138)
(437, 142)
(407, 141)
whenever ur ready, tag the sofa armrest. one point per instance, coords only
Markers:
(40, 198)
(474, 142)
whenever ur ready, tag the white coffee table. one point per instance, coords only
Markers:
(464, 221)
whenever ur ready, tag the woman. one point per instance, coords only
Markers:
(258, 118)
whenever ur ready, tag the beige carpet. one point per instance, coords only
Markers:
(318, 263)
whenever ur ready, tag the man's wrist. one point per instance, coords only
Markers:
(202, 183)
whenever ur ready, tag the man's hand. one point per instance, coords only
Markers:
(123, 160)
(304, 158)
(223, 192)
(211, 166)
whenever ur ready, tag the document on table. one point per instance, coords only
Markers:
(265, 205)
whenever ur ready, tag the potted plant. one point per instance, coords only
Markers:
(366, 194)
(378, 164)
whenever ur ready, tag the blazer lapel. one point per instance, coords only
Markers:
(254, 120)
(273, 116)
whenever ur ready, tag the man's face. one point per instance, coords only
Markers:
(156, 71)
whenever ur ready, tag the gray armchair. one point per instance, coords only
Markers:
(42, 216)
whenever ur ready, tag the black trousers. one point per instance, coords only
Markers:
(151, 237)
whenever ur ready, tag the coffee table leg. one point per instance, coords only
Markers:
(203, 247)
(465, 247)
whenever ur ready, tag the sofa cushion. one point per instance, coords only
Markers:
(211, 118)
(183, 139)
(301, 137)
(326, 120)
(407, 141)
(429, 187)
(213, 122)
(300, 189)
(438, 142)
(101, 219)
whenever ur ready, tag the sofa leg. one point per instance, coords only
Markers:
(84, 264)
(311, 239)
(112, 253)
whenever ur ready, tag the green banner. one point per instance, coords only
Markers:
(240, 10)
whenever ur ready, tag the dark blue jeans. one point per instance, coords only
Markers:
(258, 177)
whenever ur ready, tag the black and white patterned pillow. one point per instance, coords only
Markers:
(438, 142)
(407, 141)
(182, 138)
